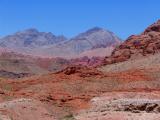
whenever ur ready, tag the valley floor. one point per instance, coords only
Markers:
(81, 93)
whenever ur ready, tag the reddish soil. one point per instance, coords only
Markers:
(72, 89)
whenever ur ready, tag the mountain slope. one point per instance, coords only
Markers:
(31, 38)
(37, 43)
(95, 38)
(87, 41)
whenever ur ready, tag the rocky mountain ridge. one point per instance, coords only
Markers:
(33, 42)
(137, 46)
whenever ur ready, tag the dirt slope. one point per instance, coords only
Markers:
(24, 109)
(70, 91)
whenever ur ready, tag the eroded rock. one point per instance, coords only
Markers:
(137, 45)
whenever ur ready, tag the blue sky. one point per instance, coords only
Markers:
(70, 17)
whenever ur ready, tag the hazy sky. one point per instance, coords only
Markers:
(70, 17)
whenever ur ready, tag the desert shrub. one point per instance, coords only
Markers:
(68, 117)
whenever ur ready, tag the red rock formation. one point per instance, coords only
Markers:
(138, 45)
(82, 71)
(90, 62)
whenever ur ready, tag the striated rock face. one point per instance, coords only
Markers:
(138, 45)
(123, 106)
(135, 105)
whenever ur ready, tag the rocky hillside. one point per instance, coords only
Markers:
(94, 38)
(136, 46)
(14, 65)
(30, 38)
(37, 43)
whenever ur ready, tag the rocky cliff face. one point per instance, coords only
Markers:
(144, 44)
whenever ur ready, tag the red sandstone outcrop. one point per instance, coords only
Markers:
(144, 44)
(82, 71)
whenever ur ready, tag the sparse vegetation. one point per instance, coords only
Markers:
(7, 87)
(69, 117)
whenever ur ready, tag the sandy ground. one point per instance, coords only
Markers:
(107, 107)
(24, 109)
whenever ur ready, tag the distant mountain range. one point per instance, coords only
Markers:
(94, 42)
